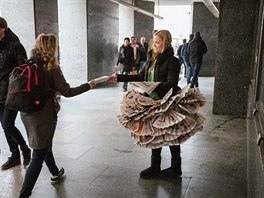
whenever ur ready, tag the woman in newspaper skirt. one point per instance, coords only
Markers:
(155, 116)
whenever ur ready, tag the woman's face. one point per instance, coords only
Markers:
(157, 44)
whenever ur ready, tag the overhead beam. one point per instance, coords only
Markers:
(137, 9)
(211, 6)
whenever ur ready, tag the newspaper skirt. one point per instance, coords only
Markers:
(169, 121)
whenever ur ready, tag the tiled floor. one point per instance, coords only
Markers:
(101, 161)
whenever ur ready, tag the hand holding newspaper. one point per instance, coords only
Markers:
(101, 79)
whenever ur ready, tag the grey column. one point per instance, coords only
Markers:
(143, 24)
(102, 48)
(207, 24)
(235, 39)
(46, 16)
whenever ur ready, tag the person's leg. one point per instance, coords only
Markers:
(196, 69)
(125, 83)
(51, 164)
(189, 72)
(14, 138)
(33, 171)
(154, 168)
(174, 170)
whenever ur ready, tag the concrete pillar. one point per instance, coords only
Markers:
(207, 24)
(235, 39)
(73, 40)
(143, 25)
(102, 24)
(46, 17)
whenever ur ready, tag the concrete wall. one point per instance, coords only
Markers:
(20, 19)
(73, 39)
(144, 24)
(102, 37)
(235, 38)
(207, 24)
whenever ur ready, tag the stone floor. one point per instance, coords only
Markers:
(101, 161)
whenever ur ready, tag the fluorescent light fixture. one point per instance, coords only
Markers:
(137, 9)
(211, 6)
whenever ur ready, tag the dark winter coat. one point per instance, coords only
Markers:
(167, 70)
(12, 54)
(126, 57)
(40, 126)
(196, 49)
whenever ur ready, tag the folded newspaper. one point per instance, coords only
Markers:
(101, 79)
(147, 87)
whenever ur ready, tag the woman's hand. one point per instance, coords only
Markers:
(113, 78)
(92, 84)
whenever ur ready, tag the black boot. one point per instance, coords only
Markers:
(174, 171)
(153, 170)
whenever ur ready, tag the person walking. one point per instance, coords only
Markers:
(40, 126)
(180, 57)
(125, 57)
(196, 49)
(186, 62)
(12, 54)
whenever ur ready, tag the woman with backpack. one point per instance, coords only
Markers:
(40, 126)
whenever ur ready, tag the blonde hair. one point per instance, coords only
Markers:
(46, 46)
(166, 38)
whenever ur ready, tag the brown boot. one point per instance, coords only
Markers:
(153, 170)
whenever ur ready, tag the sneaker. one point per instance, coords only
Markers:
(26, 157)
(11, 162)
(55, 178)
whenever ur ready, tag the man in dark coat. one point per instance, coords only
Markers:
(126, 57)
(196, 49)
(12, 54)
(185, 57)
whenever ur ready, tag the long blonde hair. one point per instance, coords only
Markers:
(166, 38)
(46, 47)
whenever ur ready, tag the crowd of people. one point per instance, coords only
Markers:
(151, 61)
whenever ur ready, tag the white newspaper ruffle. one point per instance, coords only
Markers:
(169, 121)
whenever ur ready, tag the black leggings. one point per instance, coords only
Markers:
(175, 152)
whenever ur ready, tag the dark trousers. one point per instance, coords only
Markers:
(12, 134)
(195, 73)
(34, 168)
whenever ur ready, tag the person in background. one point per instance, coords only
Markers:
(125, 57)
(143, 52)
(40, 126)
(137, 49)
(12, 54)
(186, 62)
(196, 49)
(180, 57)
(162, 67)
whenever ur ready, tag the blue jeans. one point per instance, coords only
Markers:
(125, 83)
(13, 135)
(195, 72)
(189, 74)
(34, 168)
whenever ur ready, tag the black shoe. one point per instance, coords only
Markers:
(26, 157)
(171, 173)
(11, 162)
(150, 172)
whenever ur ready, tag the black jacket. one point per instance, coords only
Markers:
(126, 57)
(167, 70)
(12, 54)
(196, 49)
